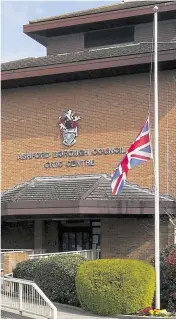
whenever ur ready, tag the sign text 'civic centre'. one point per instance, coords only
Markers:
(69, 154)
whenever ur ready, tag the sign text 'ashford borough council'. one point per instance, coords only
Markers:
(69, 154)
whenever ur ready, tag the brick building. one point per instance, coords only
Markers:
(56, 185)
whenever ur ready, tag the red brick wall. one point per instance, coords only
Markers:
(112, 112)
(11, 259)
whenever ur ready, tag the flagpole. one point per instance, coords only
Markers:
(156, 163)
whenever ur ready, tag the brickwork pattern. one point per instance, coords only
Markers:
(131, 237)
(112, 112)
(166, 31)
(65, 44)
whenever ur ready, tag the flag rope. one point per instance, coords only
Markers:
(150, 92)
(151, 71)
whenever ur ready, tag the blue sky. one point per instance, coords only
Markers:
(14, 14)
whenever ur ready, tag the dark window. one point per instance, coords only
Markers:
(108, 37)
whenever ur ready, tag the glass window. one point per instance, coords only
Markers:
(86, 241)
(65, 242)
(72, 241)
(79, 241)
(108, 37)
(97, 223)
(96, 230)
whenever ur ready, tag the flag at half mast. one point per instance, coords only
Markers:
(139, 152)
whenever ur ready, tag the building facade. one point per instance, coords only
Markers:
(56, 175)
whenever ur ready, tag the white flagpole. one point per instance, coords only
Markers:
(156, 163)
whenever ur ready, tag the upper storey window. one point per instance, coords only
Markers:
(108, 37)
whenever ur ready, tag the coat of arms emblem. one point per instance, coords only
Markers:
(68, 125)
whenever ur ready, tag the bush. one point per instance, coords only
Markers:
(54, 275)
(115, 286)
(168, 277)
(25, 269)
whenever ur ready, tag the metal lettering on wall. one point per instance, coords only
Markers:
(71, 153)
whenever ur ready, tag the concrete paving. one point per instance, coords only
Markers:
(10, 305)
(70, 312)
(64, 312)
(10, 315)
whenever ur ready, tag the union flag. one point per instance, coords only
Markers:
(139, 152)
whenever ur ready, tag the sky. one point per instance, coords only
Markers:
(14, 14)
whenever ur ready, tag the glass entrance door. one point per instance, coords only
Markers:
(73, 240)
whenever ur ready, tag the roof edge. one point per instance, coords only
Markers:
(102, 9)
(107, 63)
(86, 18)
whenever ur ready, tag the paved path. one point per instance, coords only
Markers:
(10, 315)
(69, 312)
(64, 312)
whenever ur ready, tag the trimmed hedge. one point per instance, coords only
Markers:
(115, 286)
(54, 275)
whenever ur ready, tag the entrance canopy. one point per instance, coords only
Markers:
(80, 195)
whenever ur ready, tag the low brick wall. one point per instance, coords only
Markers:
(11, 259)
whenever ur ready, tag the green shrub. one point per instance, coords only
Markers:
(25, 269)
(115, 286)
(54, 275)
(168, 277)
